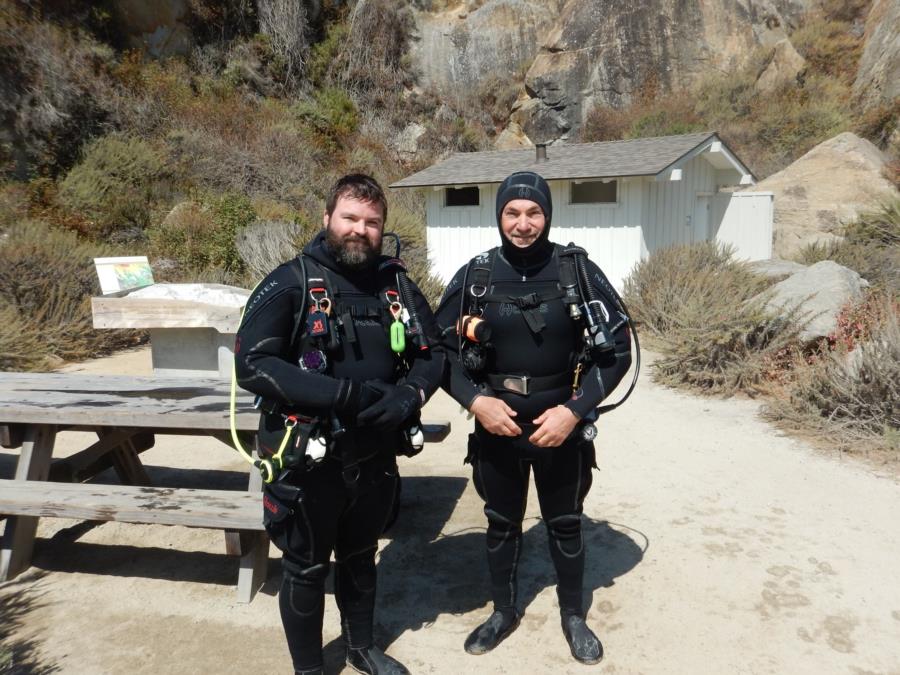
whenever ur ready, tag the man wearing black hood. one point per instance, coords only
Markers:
(330, 356)
(521, 381)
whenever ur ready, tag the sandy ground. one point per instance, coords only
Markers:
(715, 545)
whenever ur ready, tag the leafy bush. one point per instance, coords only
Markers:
(115, 184)
(852, 396)
(330, 117)
(707, 317)
(46, 280)
(203, 234)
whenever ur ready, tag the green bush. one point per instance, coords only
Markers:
(115, 184)
(203, 234)
(707, 318)
(330, 117)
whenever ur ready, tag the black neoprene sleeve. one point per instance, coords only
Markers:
(261, 345)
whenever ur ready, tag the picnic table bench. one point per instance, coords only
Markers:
(126, 413)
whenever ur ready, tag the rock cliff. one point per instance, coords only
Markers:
(878, 78)
(587, 52)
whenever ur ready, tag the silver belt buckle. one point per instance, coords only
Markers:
(517, 383)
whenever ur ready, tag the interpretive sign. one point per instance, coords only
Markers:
(123, 274)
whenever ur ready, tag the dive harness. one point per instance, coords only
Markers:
(576, 291)
(319, 323)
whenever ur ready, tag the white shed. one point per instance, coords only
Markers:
(620, 200)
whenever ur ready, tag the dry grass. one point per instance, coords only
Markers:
(850, 396)
(46, 280)
(871, 247)
(266, 244)
(707, 318)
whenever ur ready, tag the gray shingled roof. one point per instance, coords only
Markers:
(606, 159)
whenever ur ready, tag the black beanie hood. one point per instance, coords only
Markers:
(531, 186)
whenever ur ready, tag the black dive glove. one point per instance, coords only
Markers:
(352, 398)
(396, 405)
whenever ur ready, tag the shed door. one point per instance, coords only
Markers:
(700, 224)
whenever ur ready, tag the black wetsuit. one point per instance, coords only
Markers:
(501, 465)
(344, 503)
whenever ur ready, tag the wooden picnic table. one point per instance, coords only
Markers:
(126, 413)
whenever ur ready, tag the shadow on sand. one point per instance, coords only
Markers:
(424, 572)
(19, 655)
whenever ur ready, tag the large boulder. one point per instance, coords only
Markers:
(878, 75)
(820, 291)
(830, 184)
(784, 66)
(582, 53)
(774, 268)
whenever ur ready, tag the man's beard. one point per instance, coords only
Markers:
(355, 253)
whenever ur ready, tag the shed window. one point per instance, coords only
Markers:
(465, 196)
(594, 192)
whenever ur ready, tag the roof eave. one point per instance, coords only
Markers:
(710, 144)
(403, 184)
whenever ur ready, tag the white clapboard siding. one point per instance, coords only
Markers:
(610, 233)
(744, 220)
(650, 214)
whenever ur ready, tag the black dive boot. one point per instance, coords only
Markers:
(310, 671)
(492, 632)
(584, 645)
(373, 661)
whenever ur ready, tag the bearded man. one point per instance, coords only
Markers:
(319, 343)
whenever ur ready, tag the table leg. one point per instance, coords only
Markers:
(34, 464)
(126, 461)
(255, 555)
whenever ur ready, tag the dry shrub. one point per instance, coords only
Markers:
(871, 247)
(284, 23)
(46, 280)
(266, 244)
(662, 285)
(707, 317)
(55, 93)
(410, 227)
(651, 113)
(852, 396)
(829, 46)
(373, 57)
(21, 347)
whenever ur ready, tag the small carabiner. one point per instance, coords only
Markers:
(396, 310)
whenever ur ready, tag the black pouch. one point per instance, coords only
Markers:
(280, 502)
